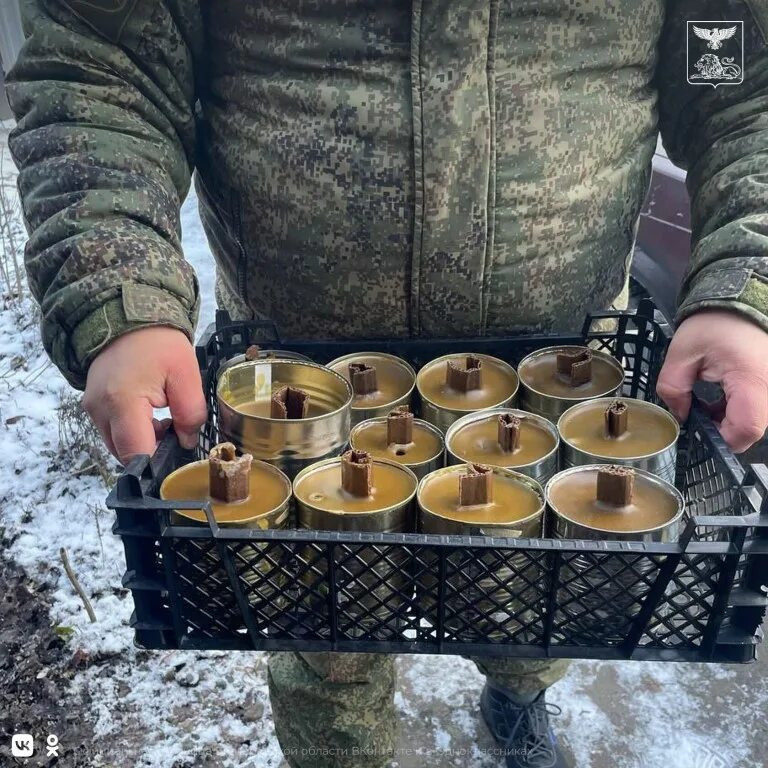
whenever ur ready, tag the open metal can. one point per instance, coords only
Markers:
(649, 442)
(473, 439)
(487, 594)
(210, 601)
(369, 583)
(544, 393)
(424, 455)
(395, 380)
(244, 393)
(604, 592)
(441, 405)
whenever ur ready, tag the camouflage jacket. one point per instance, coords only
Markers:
(415, 167)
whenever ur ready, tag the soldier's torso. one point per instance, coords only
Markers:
(451, 167)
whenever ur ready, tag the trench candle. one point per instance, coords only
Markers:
(555, 378)
(243, 494)
(487, 594)
(608, 502)
(620, 431)
(402, 438)
(505, 437)
(289, 413)
(380, 382)
(356, 492)
(454, 385)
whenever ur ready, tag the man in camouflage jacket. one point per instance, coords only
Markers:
(404, 168)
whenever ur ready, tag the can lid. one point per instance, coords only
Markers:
(477, 437)
(542, 373)
(319, 487)
(649, 429)
(572, 495)
(378, 379)
(499, 383)
(372, 435)
(515, 499)
(270, 490)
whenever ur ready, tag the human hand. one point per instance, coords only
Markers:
(145, 369)
(725, 348)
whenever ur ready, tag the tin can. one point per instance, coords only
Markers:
(604, 592)
(396, 380)
(441, 409)
(210, 602)
(243, 395)
(536, 368)
(485, 451)
(583, 424)
(488, 594)
(371, 436)
(369, 586)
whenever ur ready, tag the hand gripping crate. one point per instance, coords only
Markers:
(702, 598)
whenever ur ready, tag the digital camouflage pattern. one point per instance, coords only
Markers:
(336, 710)
(419, 167)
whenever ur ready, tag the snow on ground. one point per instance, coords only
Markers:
(163, 710)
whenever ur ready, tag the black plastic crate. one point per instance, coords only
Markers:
(700, 599)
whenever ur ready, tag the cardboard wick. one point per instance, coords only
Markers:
(616, 418)
(228, 474)
(615, 485)
(575, 366)
(363, 378)
(400, 426)
(467, 378)
(509, 432)
(289, 403)
(476, 486)
(357, 473)
(252, 352)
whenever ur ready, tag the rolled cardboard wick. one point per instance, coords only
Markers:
(509, 432)
(252, 352)
(357, 473)
(616, 418)
(464, 379)
(476, 486)
(363, 378)
(289, 403)
(400, 426)
(228, 474)
(615, 485)
(575, 366)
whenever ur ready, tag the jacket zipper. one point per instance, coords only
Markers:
(237, 231)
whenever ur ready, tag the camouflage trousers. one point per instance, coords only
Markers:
(337, 710)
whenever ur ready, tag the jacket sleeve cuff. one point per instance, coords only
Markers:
(138, 306)
(732, 289)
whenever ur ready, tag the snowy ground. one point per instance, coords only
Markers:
(163, 710)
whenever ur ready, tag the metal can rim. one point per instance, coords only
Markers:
(489, 412)
(534, 485)
(426, 424)
(576, 400)
(311, 419)
(655, 479)
(394, 358)
(337, 460)
(609, 459)
(231, 523)
(466, 411)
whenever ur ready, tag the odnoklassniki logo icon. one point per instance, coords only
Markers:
(715, 52)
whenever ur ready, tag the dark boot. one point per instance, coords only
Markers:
(523, 730)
